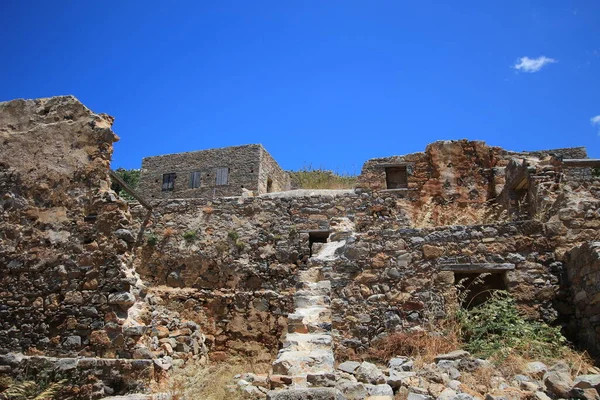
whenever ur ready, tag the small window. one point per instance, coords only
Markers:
(222, 176)
(195, 180)
(317, 237)
(269, 185)
(168, 183)
(396, 177)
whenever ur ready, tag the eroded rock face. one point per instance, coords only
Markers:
(60, 259)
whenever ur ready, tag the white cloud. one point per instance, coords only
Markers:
(596, 122)
(527, 64)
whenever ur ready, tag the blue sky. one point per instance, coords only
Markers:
(322, 83)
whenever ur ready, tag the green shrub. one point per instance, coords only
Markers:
(189, 236)
(152, 240)
(35, 390)
(131, 177)
(495, 329)
(233, 235)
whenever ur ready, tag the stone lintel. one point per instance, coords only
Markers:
(478, 268)
(396, 164)
(398, 190)
(581, 162)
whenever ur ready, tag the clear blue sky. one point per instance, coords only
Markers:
(328, 83)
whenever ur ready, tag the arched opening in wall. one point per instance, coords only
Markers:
(475, 288)
(316, 237)
(269, 185)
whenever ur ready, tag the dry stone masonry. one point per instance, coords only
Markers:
(228, 261)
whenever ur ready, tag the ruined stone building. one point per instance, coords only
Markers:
(212, 173)
(114, 294)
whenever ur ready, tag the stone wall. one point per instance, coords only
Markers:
(448, 170)
(243, 163)
(398, 279)
(68, 288)
(583, 272)
(388, 276)
(64, 246)
(250, 167)
(272, 178)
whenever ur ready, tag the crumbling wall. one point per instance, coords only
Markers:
(64, 243)
(244, 248)
(583, 316)
(399, 279)
(68, 288)
(245, 256)
(450, 170)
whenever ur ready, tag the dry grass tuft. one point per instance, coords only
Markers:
(208, 382)
(431, 214)
(310, 178)
(168, 232)
(422, 346)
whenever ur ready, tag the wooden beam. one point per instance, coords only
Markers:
(129, 190)
(478, 268)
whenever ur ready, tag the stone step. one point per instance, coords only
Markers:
(309, 275)
(307, 341)
(301, 363)
(316, 288)
(303, 299)
(306, 393)
(310, 320)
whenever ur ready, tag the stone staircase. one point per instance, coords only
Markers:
(307, 352)
(308, 346)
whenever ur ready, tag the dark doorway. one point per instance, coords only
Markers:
(476, 288)
(269, 185)
(396, 177)
(317, 237)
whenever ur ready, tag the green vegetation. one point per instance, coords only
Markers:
(233, 235)
(152, 240)
(131, 178)
(311, 178)
(496, 330)
(34, 390)
(190, 236)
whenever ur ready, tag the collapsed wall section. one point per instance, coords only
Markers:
(453, 170)
(64, 243)
(71, 305)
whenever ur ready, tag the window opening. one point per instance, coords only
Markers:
(168, 183)
(316, 237)
(222, 176)
(477, 287)
(195, 180)
(396, 177)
